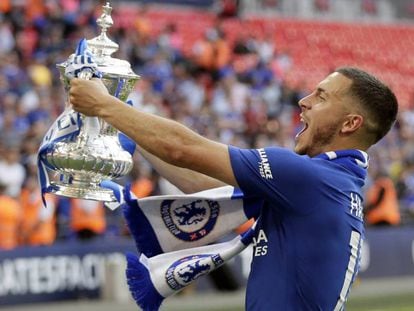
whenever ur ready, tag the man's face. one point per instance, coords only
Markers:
(323, 114)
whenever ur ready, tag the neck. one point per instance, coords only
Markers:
(348, 142)
(338, 146)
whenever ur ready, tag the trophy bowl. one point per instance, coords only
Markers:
(96, 153)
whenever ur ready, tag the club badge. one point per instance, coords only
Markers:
(187, 269)
(190, 220)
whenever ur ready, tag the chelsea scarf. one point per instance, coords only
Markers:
(172, 234)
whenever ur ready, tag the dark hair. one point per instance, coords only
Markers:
(375, 98)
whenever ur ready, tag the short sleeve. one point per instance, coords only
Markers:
(276, 174)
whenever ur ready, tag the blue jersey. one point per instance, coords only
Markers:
(309, 235)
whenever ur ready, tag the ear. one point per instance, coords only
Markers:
(352, 123)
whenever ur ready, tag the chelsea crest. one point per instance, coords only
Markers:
(185, 270)
(190, 220)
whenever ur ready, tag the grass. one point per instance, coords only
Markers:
(379, 302)
(382, 303)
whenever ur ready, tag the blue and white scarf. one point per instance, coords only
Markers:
(172, 234)
(348, 158)
(153, 279)
(68, 125)
(65, 128)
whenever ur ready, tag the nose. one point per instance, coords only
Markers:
(305, 102)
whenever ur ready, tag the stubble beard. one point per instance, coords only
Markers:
(319, 141)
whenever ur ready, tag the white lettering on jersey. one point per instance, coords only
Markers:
(260, 250)
(352, 270)
(356, 207)
(264, 166)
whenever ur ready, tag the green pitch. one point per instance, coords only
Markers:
(383, 303)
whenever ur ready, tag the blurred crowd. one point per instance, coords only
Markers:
(232, 92)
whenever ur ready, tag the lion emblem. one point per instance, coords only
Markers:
(191, 213)
(193, 271)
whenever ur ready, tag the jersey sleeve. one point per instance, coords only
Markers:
(276, 174)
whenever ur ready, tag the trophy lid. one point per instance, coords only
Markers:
(102, 47)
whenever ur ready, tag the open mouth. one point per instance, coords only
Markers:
(305, 127)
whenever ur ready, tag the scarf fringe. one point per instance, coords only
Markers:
(139, 226)
(140, 285)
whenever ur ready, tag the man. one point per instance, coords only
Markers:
(309, 235)
(10, 220)
(382, 206)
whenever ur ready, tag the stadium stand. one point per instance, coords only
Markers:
(316, 47)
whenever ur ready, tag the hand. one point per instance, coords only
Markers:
(88, 96)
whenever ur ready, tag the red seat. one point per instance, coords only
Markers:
(316, 47)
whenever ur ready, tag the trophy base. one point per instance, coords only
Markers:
(82, 191)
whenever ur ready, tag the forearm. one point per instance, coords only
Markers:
(184, 179)
(166, 139)
(157, 135)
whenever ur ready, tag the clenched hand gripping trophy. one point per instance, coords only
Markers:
(96, 153)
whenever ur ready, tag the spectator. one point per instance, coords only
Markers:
(39, 73)
(229, 101)
(12, 171)
(38, 223)
(406, 187)
(159, 72)
(10, 217)
(203, 51)
(142, 23)
(187, 88)
(5, 6)
(170, 41)
(266, 47)
(143, 184)
(7, 40)
(221, 50)
(87, 218)
(227, 8)
(381, 202)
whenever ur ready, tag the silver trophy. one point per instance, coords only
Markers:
(96, 153)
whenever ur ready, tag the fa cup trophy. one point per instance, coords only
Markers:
(82, 150)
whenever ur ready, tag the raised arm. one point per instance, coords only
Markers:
(184, 179)
(168, 140)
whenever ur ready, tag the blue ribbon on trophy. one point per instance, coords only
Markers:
(66, 127)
